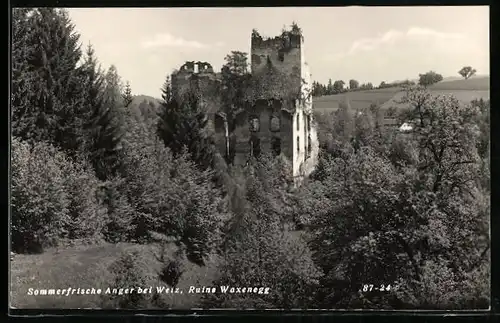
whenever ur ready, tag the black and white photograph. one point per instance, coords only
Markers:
(333, 158)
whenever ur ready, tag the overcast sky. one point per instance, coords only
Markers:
(369, 44)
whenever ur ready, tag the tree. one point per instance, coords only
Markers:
(258, 249)
(103, 130)
(345, 121)
(383, 85)
(237, 63)
(429, 78)
(127, 95)
(45, 54)
(329, 88)
(170, 194)
(183, 124)
(235, 83)
(353, 85)
(426, 218)
(466, 72)
(53, 197)
(40, 202)
(366, 86)
(338, 86)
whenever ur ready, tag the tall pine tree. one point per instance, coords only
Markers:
(183, 124)
(45, 54)
(103, 132)
(127, 95)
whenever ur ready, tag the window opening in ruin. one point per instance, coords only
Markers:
(255, 146)
(308, 123)
(274, 124)
(254, 124)
(298, 144)
(196, 68)
(298, 121)
(276, 145)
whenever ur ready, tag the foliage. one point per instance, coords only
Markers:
(259, 251)
(394, 219)
(183, 124)
(170, 194)
(353, 85)
(104, 129)
(44, 80)
(338, 86)
(40, 203)
(467, 71)
(127, 95)
(120, 213)
(429, 78)
(52, 198)
(129, 272)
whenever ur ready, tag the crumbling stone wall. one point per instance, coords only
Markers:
(279, 115)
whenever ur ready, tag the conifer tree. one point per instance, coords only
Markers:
(127, 95)
(182, 124)
(45, 55)
(102, 132)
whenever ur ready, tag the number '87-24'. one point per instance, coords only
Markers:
(371, 287)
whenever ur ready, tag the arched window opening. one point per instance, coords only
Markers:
(298, 121)
(298, 144)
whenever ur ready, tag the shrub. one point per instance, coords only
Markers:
(40, 202)
(120, 214)
(87, 213)
(53, 198)
(129, 271)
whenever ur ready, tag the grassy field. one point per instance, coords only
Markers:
(86, 267)
(358, 100)
(464, 90)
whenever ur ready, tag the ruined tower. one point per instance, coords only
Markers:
(285, 96)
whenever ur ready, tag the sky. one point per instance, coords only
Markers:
(369, 44)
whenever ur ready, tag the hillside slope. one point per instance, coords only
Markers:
(463, 90)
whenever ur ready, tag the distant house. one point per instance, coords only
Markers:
(405, 127)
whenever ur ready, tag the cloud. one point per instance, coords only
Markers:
(417, 31)
(169, 40)
(393, 36)
(368, 44)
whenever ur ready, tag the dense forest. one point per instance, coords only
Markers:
(409, 211)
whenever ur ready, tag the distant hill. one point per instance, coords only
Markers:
(145, 105)
(464, 90)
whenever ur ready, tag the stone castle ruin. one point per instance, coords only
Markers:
(277, 115)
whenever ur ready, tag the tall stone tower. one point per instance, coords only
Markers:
(279, 63)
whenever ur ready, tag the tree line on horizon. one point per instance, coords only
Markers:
(382, 208)
(425, 79)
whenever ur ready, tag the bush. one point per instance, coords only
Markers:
(120, 214)
(40, 202)
(129, 271)
(171, 194)
(87, 213)
(53, 198)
